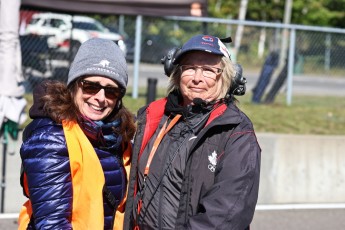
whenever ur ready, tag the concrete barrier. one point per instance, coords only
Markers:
(302, 169)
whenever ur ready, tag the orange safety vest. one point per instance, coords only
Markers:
(87, 212)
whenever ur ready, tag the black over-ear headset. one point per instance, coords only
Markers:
(238, 84)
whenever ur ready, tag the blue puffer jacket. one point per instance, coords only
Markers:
(46, 164)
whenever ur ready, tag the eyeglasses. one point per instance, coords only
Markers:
(207, 71)
(93, 88)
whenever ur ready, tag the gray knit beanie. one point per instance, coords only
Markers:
(99, 57)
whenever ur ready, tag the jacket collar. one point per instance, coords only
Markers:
(156, 109)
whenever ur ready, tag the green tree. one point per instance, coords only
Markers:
(223, 8)
(313, 12)
(305, 12)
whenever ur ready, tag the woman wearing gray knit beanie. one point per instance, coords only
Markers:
(76, 151)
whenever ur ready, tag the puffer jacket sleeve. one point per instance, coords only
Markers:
(46, 165)
(230, 202)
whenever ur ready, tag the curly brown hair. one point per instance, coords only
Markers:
(59, 104)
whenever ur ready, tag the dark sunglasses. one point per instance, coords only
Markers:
(92, 88)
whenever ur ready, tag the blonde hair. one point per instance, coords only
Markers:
(226, 78)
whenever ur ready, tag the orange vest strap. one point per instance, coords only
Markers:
(87, 179)
(24, 216)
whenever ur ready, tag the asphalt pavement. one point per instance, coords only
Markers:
(291, 219)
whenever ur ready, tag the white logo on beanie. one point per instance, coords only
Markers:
(103, 66)
(104, 63)
(107, 71)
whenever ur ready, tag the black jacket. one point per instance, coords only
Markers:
(219, 194)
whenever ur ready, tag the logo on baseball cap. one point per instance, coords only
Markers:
(205, 43)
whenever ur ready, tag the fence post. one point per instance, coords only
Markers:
(151, 90)
(291, 64)
(3, 174)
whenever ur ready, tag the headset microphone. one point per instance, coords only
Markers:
(199, 102)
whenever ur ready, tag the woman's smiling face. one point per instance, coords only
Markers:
(197, 85)
(96, 106)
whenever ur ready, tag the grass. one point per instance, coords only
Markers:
(306, 115)
(321, 115)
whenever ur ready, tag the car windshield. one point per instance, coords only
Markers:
(34, 21)
(88, 26)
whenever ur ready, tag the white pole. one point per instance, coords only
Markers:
(290, 66)
(328, 52)
(137, 49)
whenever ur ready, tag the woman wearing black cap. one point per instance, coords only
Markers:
(196, 159)
(77, 149)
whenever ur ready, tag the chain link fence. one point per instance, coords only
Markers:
(48, 45)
